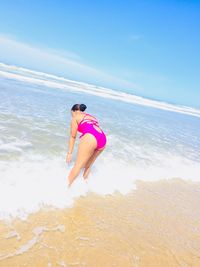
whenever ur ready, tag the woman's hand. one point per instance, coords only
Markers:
(68, 157)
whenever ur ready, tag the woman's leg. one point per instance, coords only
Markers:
(90, 162)
(86, 148)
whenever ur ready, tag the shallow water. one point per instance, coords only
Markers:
(144, 143)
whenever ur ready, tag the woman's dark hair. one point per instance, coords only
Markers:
(81, 107)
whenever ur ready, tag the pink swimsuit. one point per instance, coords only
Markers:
(86, 126)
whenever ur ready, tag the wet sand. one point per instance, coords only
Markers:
(156, 225)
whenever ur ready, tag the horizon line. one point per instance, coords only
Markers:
(58, 82)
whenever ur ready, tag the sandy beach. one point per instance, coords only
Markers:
(156, 225)
(70, 72)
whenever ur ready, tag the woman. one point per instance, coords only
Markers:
(92, 143)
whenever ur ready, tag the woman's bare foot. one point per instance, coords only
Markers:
(86, 173)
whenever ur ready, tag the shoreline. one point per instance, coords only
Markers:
(156, 225)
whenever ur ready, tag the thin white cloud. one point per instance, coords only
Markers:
(64, 63)
(135, 37)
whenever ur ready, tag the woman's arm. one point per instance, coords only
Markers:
(73, 132)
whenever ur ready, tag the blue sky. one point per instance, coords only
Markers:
(148, 48)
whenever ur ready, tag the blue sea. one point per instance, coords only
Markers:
(146, 140)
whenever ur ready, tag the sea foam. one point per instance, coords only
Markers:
(28, 186)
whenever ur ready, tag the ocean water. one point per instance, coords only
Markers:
(147, 140)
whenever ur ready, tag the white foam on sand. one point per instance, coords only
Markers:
(28, 186)
(30, 243)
